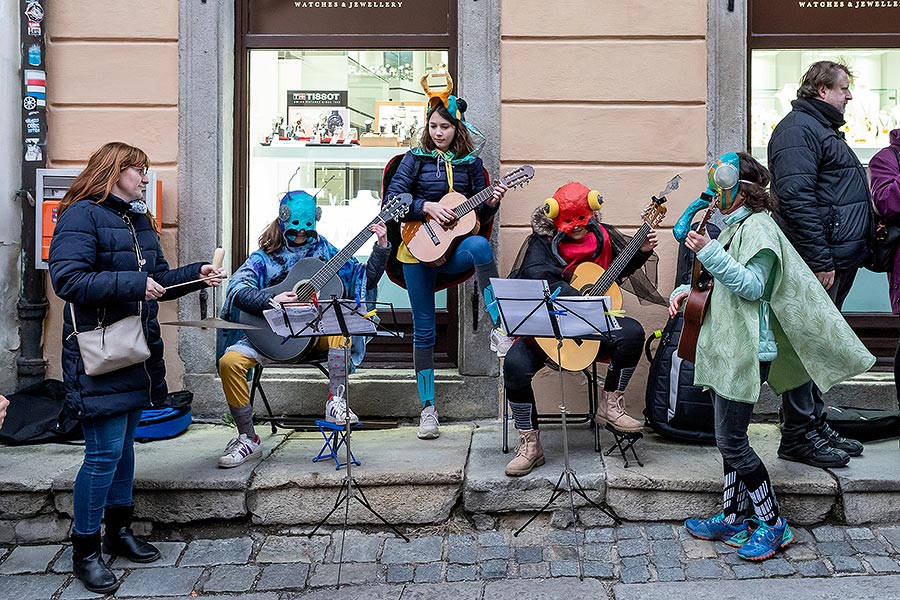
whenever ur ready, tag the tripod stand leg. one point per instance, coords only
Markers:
(343, 494)
(578, 489)
(557, 492)
(361, 498)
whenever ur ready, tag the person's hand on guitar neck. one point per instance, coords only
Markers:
(651, 242)
(697, 241)
(380, 231)
(500, 190)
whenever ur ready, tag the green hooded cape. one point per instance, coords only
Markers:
(814, 341)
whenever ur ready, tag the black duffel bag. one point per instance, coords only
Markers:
(35, 415)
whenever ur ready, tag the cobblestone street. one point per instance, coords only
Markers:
(285, 563)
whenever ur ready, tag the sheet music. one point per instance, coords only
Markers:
(523, 310)
(324, 320)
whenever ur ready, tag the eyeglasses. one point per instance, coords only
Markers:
(140, 169)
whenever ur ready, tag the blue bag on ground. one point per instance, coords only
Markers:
(167, 421)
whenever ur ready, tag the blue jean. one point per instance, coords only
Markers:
(473, 251)
(107, 473)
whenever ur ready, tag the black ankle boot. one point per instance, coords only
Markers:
(88, 565)
(119, 539)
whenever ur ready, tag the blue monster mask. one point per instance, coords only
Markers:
(297, 213)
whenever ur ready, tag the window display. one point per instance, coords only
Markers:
(873, 112)
(327, 122)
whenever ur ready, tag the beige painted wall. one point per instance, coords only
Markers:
(112, 75)
(611, 93)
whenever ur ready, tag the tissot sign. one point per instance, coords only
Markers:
(372, 17)
(825, 17)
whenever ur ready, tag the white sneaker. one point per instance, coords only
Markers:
(428, 424)
(500, 342)
(336, 410)
(239, 450)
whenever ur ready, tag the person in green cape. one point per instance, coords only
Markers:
(768, 320)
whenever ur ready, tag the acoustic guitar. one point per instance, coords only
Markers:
(309, 278)
(590, 279)
(431, 241)
(698, 300)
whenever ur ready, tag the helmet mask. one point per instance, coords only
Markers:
(724, 179)
(572, 206)
(298, 213)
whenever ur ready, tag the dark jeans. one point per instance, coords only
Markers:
(732, 420)
(525, 358)
(803, 406)
(421, 280)
(107, 473)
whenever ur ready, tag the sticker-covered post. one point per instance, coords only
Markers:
(32, 305)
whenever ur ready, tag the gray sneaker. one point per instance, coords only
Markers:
(428, 424)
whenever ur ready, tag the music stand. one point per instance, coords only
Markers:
(529, 308)
(342, 317)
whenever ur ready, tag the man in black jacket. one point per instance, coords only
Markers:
(824, 209)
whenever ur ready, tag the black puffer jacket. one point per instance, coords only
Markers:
(93, 265)
(822, 189)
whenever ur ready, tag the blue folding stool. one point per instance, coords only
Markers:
(335, 436)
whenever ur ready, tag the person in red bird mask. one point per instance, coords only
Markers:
(567, 232)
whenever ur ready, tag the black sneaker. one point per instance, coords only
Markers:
(836, 440)
(812, 449)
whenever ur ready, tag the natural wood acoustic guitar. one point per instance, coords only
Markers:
(430, 241)
(698, 300)
(590, 279)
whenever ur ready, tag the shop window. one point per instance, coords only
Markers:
(327, 122)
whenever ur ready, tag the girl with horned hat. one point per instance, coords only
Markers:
(446, 159)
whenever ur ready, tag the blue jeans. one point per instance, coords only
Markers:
(107, 473)
(473, 251)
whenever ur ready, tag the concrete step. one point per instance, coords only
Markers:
(411, 481)
(869, 390)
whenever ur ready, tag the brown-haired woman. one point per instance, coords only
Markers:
(106, 263)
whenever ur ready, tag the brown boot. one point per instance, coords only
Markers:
(612, 411)
(529, 454)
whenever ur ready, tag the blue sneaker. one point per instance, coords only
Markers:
(715, 528)
(766, 540)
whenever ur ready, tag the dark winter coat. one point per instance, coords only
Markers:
(884, 172)
(93, 266)
(425, 178)
(539, 258)
(823, 193)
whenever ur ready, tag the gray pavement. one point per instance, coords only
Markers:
(634, 560)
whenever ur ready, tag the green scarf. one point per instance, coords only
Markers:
(814, 341)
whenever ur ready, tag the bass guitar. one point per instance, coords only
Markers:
(430, 241)
(309, 278)
(590, 279)
(698, 300)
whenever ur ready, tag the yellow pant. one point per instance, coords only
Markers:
(233, 368)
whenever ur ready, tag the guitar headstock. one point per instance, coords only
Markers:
(654, 212)
(518, 176)
(395, 207)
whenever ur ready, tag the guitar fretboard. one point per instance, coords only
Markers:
(330, 269)
(618, 265)
(474, 202)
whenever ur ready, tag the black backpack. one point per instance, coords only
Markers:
(864, 425)
(675, 407)
(35, 415)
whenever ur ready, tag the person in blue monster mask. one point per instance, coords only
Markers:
(288, 239)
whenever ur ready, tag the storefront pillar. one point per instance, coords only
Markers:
(726, 49)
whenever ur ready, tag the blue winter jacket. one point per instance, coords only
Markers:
(93, 266)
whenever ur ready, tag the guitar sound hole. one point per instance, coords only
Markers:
(304, 291)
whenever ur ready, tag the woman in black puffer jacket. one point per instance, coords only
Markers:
(94, 267)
